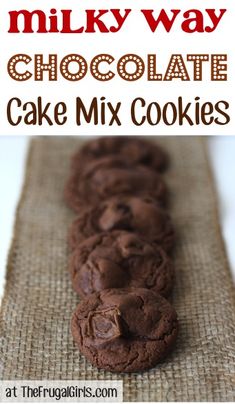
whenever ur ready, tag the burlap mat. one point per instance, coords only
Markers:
(35, 339)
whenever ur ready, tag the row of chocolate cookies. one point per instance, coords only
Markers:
(120, 262)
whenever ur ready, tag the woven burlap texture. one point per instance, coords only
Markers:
(35, 337)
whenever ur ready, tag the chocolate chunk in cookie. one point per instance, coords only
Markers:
(120, 259)
(125, 330)
(135, 214)
(109, 177)
(134, 149)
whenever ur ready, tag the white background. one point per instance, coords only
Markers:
(12, 161)
(134, 37)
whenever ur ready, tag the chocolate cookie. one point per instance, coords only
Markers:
(125, 330)
(109, 177)
(134, 214)
(117, 260)
(134, 149)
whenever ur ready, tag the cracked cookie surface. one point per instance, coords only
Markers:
(134, 149)
(125, 330)
(112, 176)
(134, 214)
(120, 259)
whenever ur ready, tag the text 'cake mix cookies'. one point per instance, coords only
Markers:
(125, 330)
(119, 263)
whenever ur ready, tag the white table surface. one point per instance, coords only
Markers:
(13, 151)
